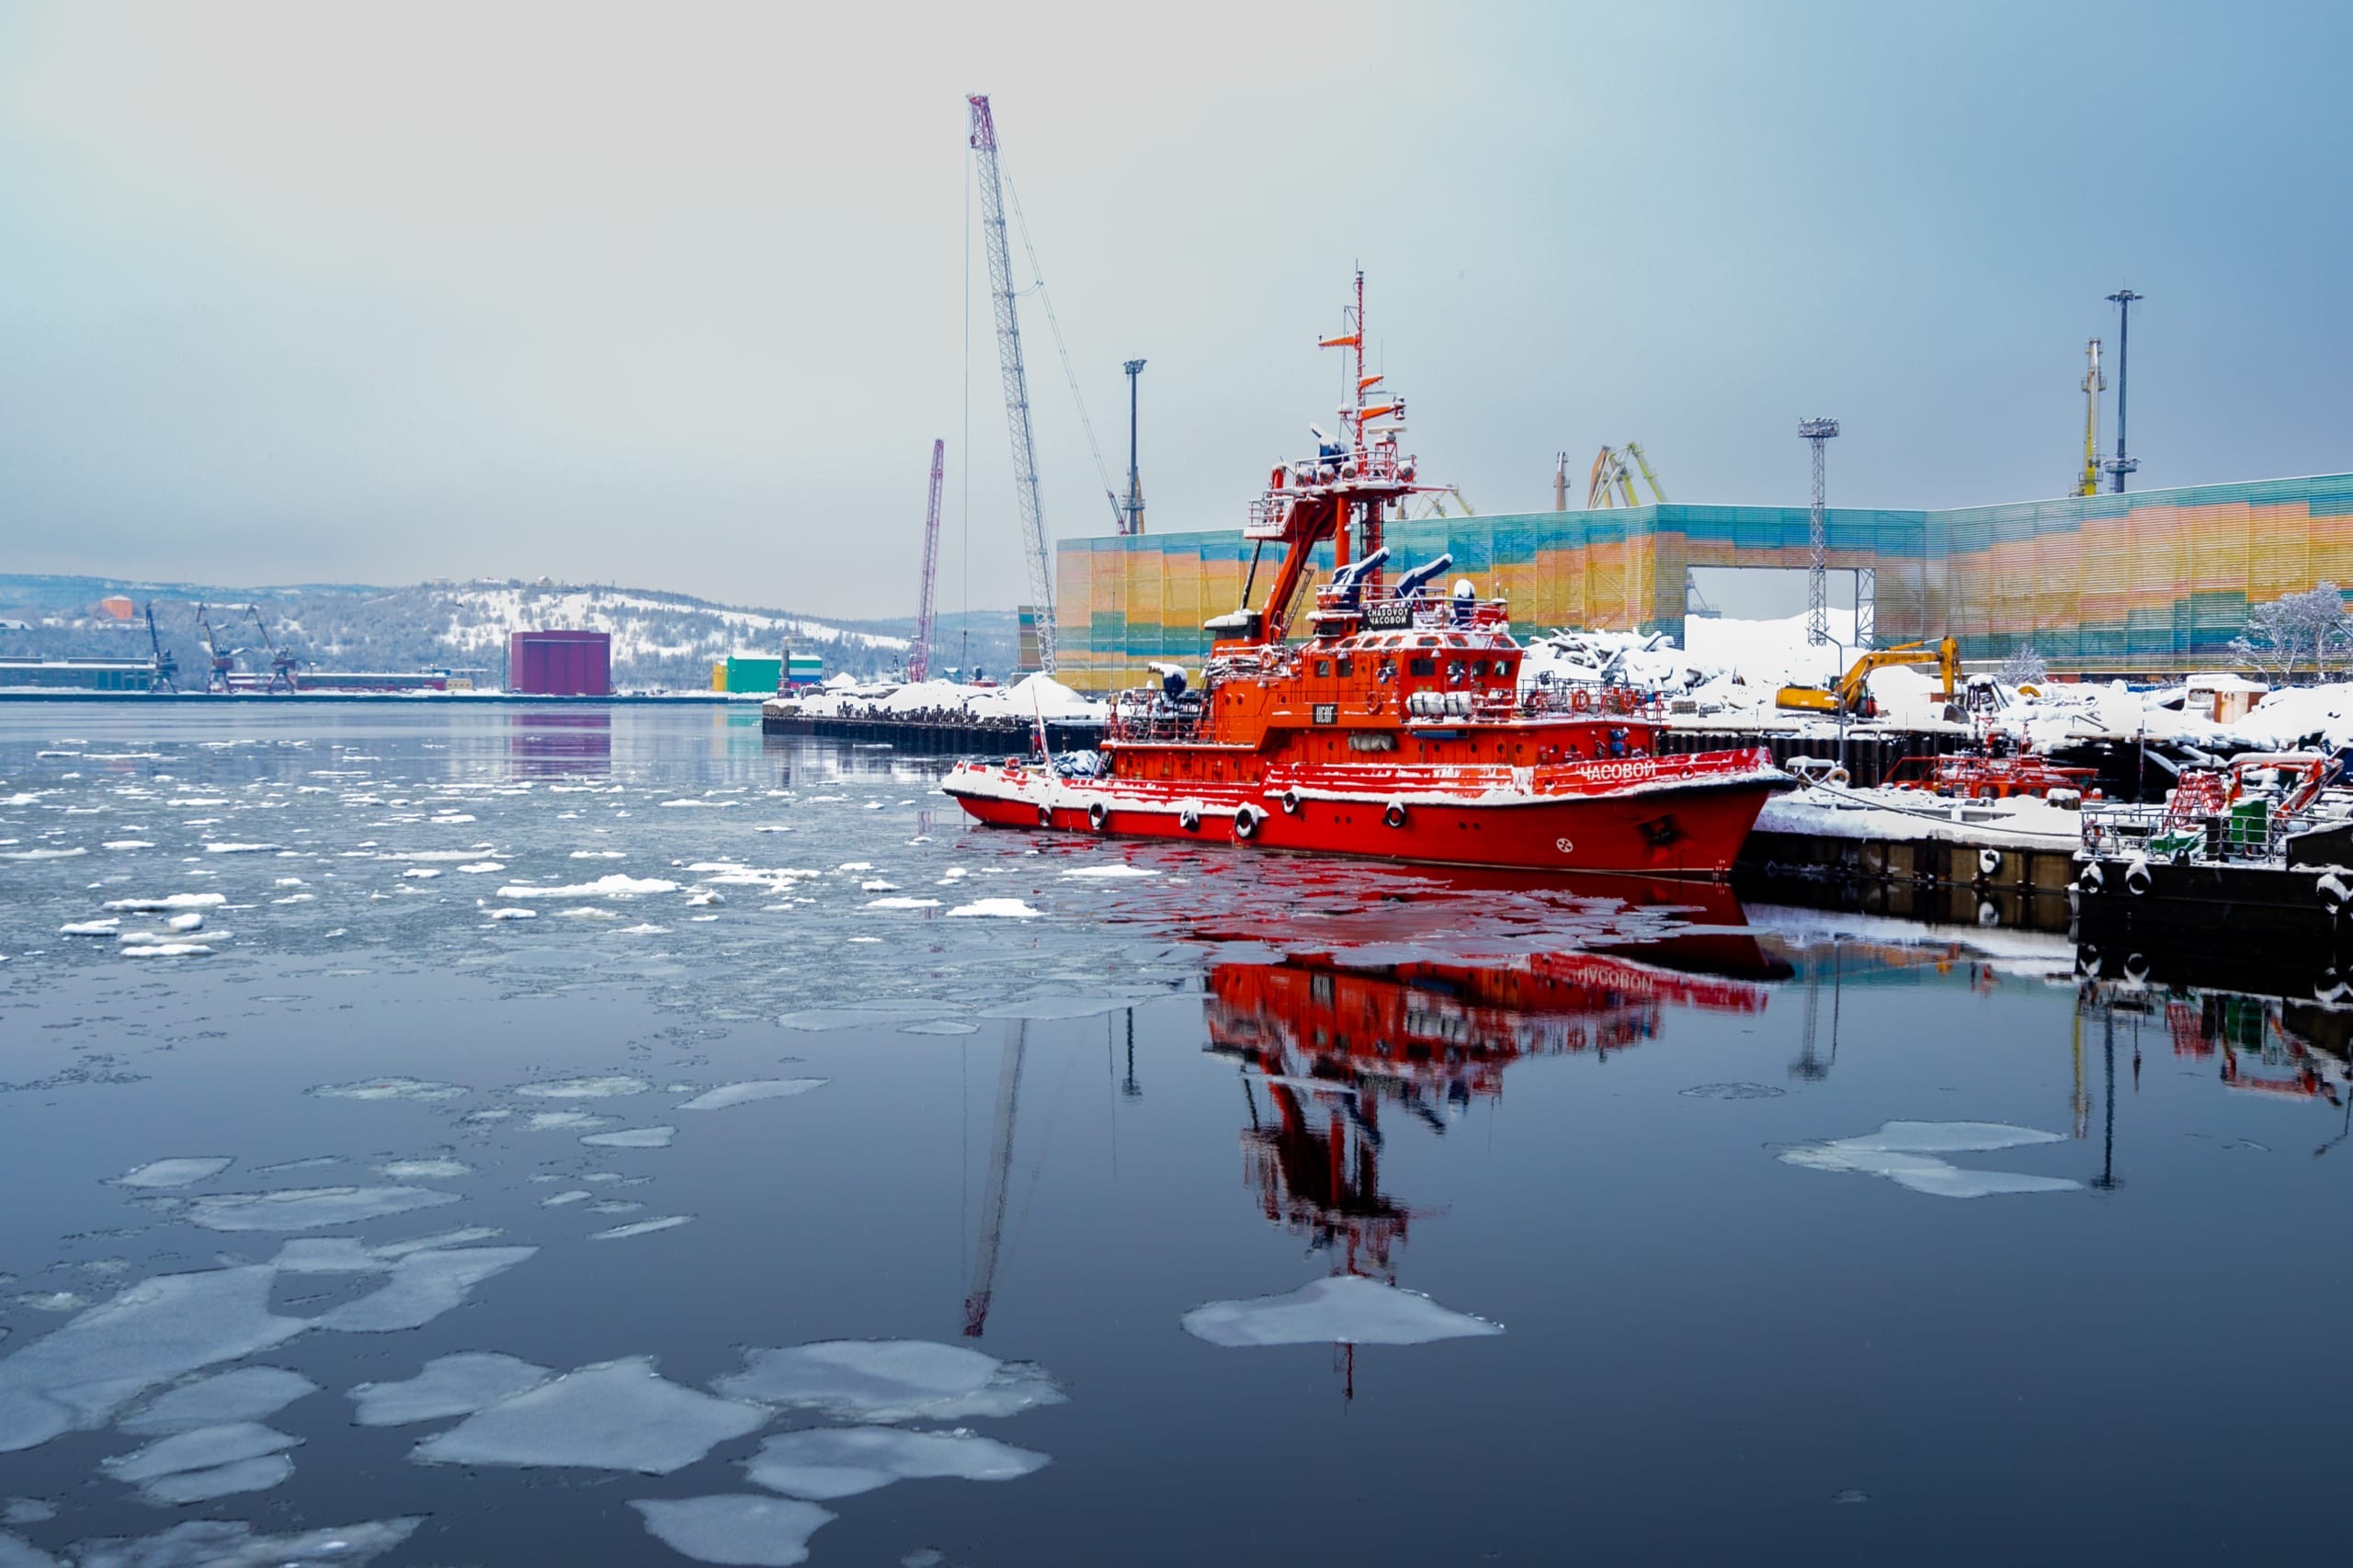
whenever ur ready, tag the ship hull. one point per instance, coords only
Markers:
(1684, 824)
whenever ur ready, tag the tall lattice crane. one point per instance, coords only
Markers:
(2088, 481)
(919, 655)
(1016, 379)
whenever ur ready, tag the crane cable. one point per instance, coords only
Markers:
(1037, 286)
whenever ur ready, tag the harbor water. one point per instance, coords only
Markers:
(436, 1135)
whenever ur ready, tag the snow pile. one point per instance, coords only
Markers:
(2286, 717)
(1037, 696)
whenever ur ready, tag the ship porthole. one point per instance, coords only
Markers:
(1395, 815)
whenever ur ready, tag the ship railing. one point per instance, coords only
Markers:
(2250, 830)
(1585, 701)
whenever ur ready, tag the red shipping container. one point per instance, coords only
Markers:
(559, 664)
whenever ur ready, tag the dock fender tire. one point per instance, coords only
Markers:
(1097, 813)
(1290, 802)
(2136, 967)
(1394, 814)
(1989, 861)
(1045, 816)
(2333, 894)
(1189, 819)
(2092, 878)
(2137, 880)
(2087, 960)
(2330, 986)
(1246, 821)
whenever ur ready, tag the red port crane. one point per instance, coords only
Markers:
(919, 655)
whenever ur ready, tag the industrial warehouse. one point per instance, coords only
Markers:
(2145, 584)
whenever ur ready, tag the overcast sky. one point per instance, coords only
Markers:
(676, 295)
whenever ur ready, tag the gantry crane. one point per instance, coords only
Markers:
(1610, 484)
(281, 660)
(919, 654)
(2088, 481)
(163, 667)
(1016, 380)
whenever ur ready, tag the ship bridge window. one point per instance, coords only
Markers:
(1454, 672)
(1323, 668)
(1347, 668)
(1426, 643)
(1421, 666)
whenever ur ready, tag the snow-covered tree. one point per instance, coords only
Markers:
(2024, 667)
(2298, 635)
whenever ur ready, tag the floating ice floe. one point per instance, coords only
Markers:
(641, 1228)
(169, 901)
(876, 884)
(902, 903)
(576, 1195)
(388, 1089)
(1120, 870)
(512, 913)
(219, 848)
(1732, 1092)
(1906, 1154)
(480, 867)
(1344, 1309)
(610, 1086)
(644, 929)
(158, 1330)
(226, 1544)
(612, 1415)
(436, 1169)
(308, 1208)
(758, 1532)
(127, 844)
(1002, 908)
(615, 886)
(90, 927)
(423, 1286)
(598, 855)
(889, 1379)
(632, 1138)
(423, 873)
(939, 1026)
(463, 1236)
(728, 1095)
(188, 921)
(843, 1461)
(673, 805)
(174, 1172)
(552, 1120)
(241, 1393)
(149, 948)
(41, 853)
(450, 1385)
(207, 1463)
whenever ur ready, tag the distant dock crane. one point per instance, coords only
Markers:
(1609, 473)
(919, 654)
(2088, 481)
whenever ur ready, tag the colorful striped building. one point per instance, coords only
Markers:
(2148, 583)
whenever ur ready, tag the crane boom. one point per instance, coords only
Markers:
(1008, 1098)
(1016, 379)
(919, 655)
(2087, 482)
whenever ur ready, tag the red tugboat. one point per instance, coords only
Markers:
(1400, 729)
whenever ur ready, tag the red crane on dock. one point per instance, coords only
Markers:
(919, 654)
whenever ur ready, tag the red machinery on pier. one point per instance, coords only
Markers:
(1399, 728)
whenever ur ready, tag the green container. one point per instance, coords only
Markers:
(2248, 828)
(753, 673)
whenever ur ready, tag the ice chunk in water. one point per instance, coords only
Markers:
(642, 1228)
(1906, 1154)
(576, 1195)
(632, 1138)
(91, 927)
(225, 1543)
(1947, 1137)
(450, 1385)
(175, 1172)
(241, 1393)
(389, 1090)
(1001, 908)
(762, 1532)
(512, 913)
(889, 1379)
(424, 1285)
(612, 1415)
(1344, 1309)
(841, 1461)
(18, 1552)
(221, 1481)
(158, 1330)
(1122, 869)
(439, 1168)
(549, 1120)
(902, 903)
(170, 900)
(328, 1255)
(308, 1208)
(205, 1448)
(614, 886)
(728, 1095)
(585, 1088)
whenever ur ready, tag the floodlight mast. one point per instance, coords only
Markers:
(1817, 432)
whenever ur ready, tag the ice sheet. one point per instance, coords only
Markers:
(1120, 870)
(308, 1208)
(889, 1379)
(760, 1532)
(728, 1095)
(203, 1447)
(424, 1285)
(424, 1168)
(632, 1138)
(222, 1481)
(450, 1385)
(1343, 1310)
(1001, 908)
(224, 1543)
(585, 1088)
(841, 1461)
(389, 1090)
(156, 1331)
(612, 1415)
(18, 1552)
(178, 1171)
(241, 1393)
(1906, 1153)
(642, 1228)
(614, 886)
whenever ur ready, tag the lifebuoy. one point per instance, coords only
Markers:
(1395, 813)
(1246, 821)
(1580, 700)
(1096, 815)
(1290, 802)
(1837, 775)
(1045, 816)
(1989, 861)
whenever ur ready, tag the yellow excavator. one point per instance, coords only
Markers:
(1853, 695)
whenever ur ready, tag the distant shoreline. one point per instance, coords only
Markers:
(507, 698)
